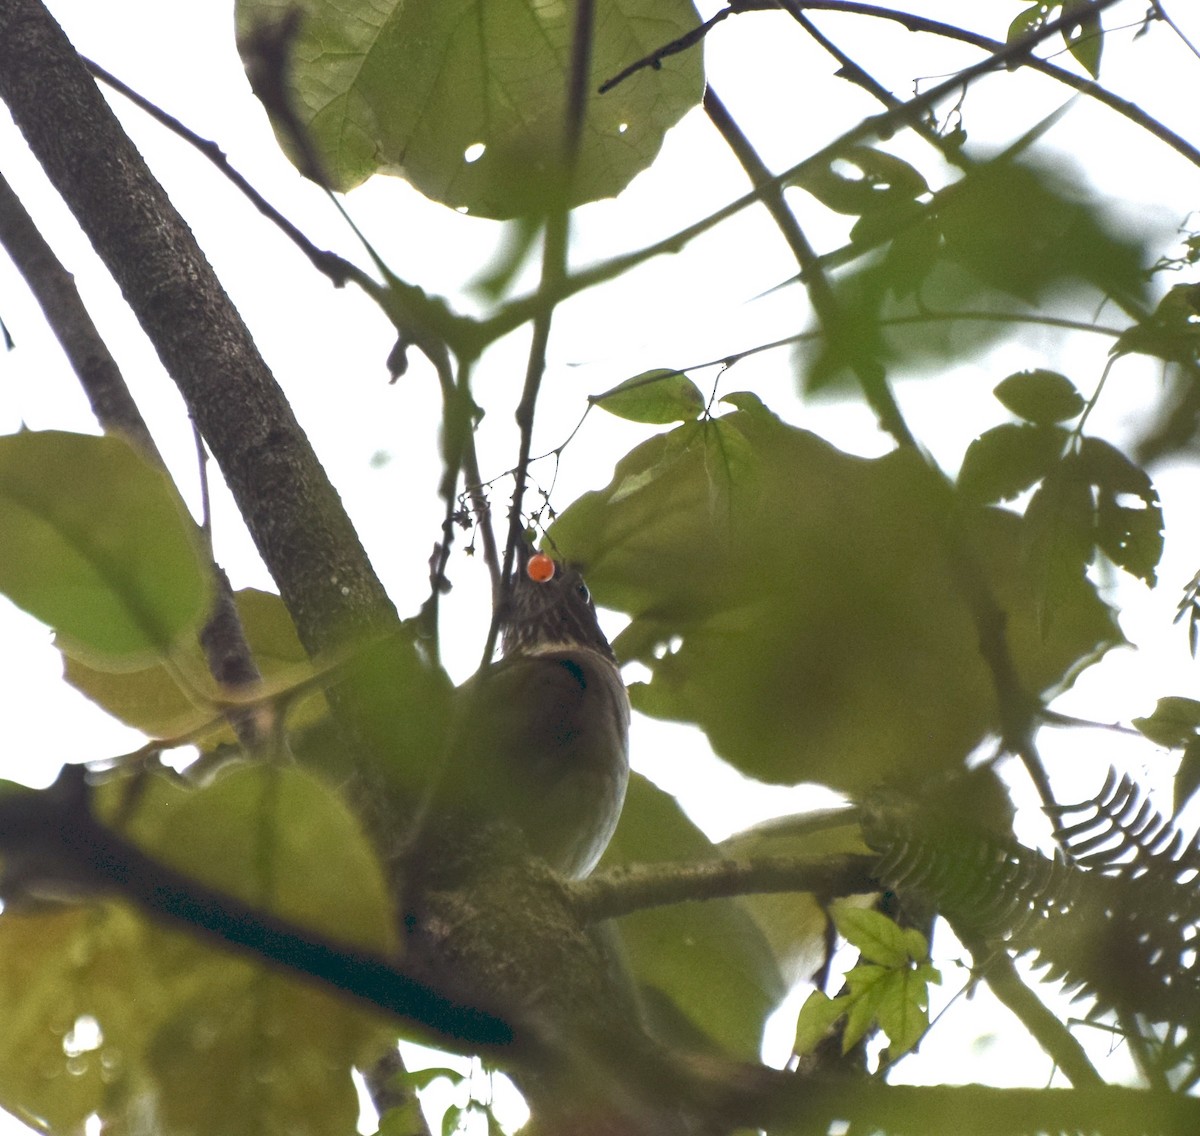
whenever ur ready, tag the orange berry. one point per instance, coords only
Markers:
(540, 568)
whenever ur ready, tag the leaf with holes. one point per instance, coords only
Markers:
(467, 99)
(880, 181)
(1129, 520)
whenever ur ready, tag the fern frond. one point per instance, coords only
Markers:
(1119, 832)
(1115, 915)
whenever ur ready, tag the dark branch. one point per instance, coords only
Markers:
(54, 289)
(55, 840)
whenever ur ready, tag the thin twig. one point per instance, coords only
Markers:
(53, 287)
(554, 273)
(915, 23)
(338, 269)
(869, 372)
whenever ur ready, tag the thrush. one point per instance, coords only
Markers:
(541, 739)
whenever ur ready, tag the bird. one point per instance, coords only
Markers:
(541, 736)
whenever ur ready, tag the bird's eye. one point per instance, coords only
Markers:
(582, 589)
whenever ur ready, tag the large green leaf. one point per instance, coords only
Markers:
(98, 545)
(703, 968)
(803, 607)
(466, 98)
(158, 701)
(276, 837)
(187, 1038)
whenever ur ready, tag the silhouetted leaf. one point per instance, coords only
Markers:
(1059, 536)
(1009, 459)
(1129, 520)
(1174, 723)
(1005, 238)
(880, 181)
(1041, 397)
(1172, 331)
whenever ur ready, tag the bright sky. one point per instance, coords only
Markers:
(328, 348)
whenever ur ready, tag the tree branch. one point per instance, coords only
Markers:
(868, 371)
(54, 289)
(623, 890)
(997, 969)
(51, 837)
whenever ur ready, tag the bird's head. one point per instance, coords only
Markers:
(548, 607)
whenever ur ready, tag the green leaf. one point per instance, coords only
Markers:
(815, 1020)
(1085, 41)
(1041, 397)
(656, 396)
(274, 836)
(903, 1010)
(466, 99)
(809, 620)
(203, 1039)
(1005, 236)
(1174, 723)
(868, 987)
(98, 545)
(877, 937)
(880, 181)
(154, 701)
(1009, 459)
(703, 968)
(59, 965)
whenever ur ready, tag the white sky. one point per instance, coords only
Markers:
(328, 347)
